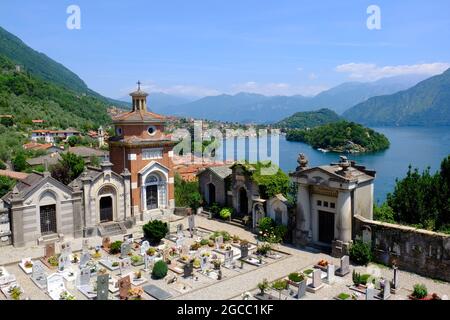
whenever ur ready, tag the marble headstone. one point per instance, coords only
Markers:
(84, 277)
(191, 222)
(84, 259)
(228, 258)
(203, 263)
(345, 266)
(38, 274)
(144, 247)
(125, 249)
(317, 278)
(124, 287)
(370, 293)
(330, 273)
(102, 287)
(219, 242)
(244, 251)
(49, 250)
(125, 266)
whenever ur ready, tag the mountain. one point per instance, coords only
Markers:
(427, 103)
(159, 101)
(346, 95)
(256, 108)
(308, 119)
(44, 68)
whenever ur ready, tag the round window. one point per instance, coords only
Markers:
(119, 131)
(151, 130)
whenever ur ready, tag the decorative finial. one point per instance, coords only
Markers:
(139, 85)
(302, 160)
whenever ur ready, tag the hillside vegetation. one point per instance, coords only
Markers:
(308, 119)
(342, 136)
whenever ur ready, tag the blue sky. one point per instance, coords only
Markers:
(205, 47)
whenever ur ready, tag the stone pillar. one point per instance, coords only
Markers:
(344, 211)
(77, 214)
(17, 224)
(127, 193)
(303, 228)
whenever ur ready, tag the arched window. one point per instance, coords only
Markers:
(151, 179)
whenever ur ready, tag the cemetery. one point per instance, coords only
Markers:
(181, 263)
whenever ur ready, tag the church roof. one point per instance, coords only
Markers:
(221, 171)
(139, 116)
(351, 174)
(139, 93)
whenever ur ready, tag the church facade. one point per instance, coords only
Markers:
(141, 146)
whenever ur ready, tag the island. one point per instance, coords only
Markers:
(341, 137)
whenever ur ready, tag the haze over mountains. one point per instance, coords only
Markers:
(249, 107)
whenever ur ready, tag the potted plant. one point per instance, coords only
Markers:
(159, 270)
(138, 275)
(151, 251)
(295, 278)
(279, 286)
(216, 263)
(115, 264)
(264, 249)
(114, 248)
(28, 264)
(15, 292)
(135, 293)
(263, 286)
(204, 242)
(53, 260)
(195, 246)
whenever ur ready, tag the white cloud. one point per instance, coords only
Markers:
(370, 71)
(273, 89)
(313, 76)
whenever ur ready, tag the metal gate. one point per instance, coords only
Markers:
(48, 219)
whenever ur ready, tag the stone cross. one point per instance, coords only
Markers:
(102, 286)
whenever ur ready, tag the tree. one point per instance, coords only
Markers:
(74, 141)
(20, 162)
(187, 194)
(155, 230)
(7, 122)
(68, 168)
(383, 213)
(6, 185)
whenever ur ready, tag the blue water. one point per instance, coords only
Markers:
(419, 146)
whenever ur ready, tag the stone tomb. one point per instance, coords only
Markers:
(124, 287)
(84, 285)
(26, 265)
(156, 292)
(38, 275)
(55, 286)
(102, 287)
(316, 283)
(344, 268)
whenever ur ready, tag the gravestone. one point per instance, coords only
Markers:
(330, 273)
(106, 243)
(179, 242)
(84, 259)
(55, 285)
(63, 262)
(244, 250)
(179, 229)
(125, 266)
(219, 242)
(370, 293)
(124, 287)
(144, 247)
(49, 250)
(185, 249)
(301, 289)
(345, 267)
(386, 290)
(316, 281)
(84, 277)
(228, 258)
(146, 262)
(128, 238)
(156, 292)
(38, 275)
(191, 222)
(395, 282)
(66, 248)
(188, 270)
(102, 287)
(203, 263)
(85, 245)
(125, 249)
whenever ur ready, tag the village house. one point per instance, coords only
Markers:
(50, 135)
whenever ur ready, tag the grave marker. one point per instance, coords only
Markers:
(124, 287)
(345, 267)
(203, 263)
(84, 259)
(244, 250)
(301, 289)
(49, 250)
(55, 285)
(106, 243)
(125, 266)
(125, 249)
(219, 242)
(396, 284)
(85, 245)
(38, 275)
(191, 222)
(102, 287)
(84, 277)
(330, 273)
(228, 258)
(188, 269)
(145, 245)
(370, 293)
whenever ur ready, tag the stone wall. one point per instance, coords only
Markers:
(420, 251)
(207, 177)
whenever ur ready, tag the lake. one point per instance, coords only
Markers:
(419, 146)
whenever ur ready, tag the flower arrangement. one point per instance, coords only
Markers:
(196, 263)
(151, 251)
(211, 243)
(195, 246)
(136, 293)
(136, 259)
(97, 254)
(138, 275)
(216, 263)
(263, 286)
(235, 239)
(204, 242)
(323, 263)
(246, 295)
(15, 292)
(28, 264)
(65, 295)
(296, 277)
(115, 264)
(53, 260)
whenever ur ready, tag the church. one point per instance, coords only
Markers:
(105, 200)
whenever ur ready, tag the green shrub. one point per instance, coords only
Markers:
(2, 165)
(225, 235)
(263, 286)
(225, 213)
(266, 224)
(159, 270)
(204, 242)
(360, 253)
(420, 291)
(280, 285)
(115, 247)
(296, 277)
(263, 249)
(155, 230)
(343, 296)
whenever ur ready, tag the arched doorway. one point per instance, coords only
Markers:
(106, 209)
(47, 213)
(243, 202)
(155, 192)
(211, 193)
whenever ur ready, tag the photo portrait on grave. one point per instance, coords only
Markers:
(225, 158)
